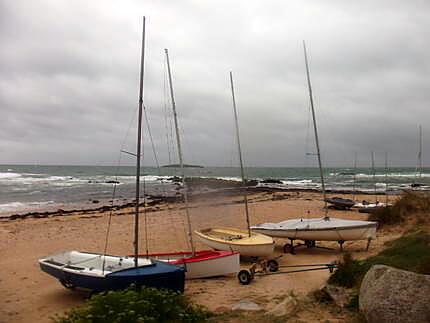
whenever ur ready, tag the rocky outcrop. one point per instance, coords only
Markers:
(388, 294)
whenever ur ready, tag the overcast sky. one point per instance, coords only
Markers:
(69, 74)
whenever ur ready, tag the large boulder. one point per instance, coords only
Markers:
(388, 294)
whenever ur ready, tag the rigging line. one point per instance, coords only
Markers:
(152, 140)
(168, 119)
(178, 141)
(111, 211)
(115, 185)
(311, 99)
(145, 215)
(242, 171)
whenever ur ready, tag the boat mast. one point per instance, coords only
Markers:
(386, 179)
(242, 172)
(355, 176)
(374, 174)
(315, 131)
(178, 142)
(138, 150)
(420, 154)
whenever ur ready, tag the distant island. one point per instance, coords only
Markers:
(185, 165)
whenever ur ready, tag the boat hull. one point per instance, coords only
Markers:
(204, 264)
(158, 275)
(342, 231)
(257, 245)
(340, 203)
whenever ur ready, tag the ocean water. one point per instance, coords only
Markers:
(37, 187)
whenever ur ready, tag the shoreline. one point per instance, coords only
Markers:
(154, 201)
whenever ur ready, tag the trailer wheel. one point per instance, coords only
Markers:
(244, 277)
(288, 248)
(273, 265)
(310, 243)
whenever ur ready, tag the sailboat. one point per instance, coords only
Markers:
(368, 207)
(340, 203)
(248, 243)
(101, 272)
(198, 263)
(313, 229)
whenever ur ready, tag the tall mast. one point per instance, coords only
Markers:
(242, 172)
(178, 142)
(138, 150)
(355, 176)
(315, 131)
(386, 179)
(420, 154)
(372, 154)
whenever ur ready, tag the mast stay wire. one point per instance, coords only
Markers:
(118, 165)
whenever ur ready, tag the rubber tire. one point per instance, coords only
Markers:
(273, 265)
(244, 277)
(288, 249)
(310, 243)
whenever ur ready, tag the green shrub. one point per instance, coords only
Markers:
(410, 252)
(347, 272)
(142, 305)
(353, 304)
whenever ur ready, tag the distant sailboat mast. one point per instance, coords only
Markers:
(178, 141)
(420, 157)
(242, 172)
(386, 179)
(355, 177)
(315, 131)
(138, 150)
(372, 154)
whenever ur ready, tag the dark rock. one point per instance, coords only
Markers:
(271, 181)
(388, 294)
(95, 201)
(112, 182)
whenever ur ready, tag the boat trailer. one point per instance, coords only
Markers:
(272, 267)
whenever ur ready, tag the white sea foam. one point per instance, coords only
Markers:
(9, 175)
(20, 206)
(403, 175)
(11, 206)
(303, 182)
(226, 178)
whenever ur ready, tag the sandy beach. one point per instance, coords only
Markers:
(29, 295)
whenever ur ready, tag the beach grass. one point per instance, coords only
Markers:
(410, 252)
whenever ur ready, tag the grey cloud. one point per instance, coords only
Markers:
(69, 79)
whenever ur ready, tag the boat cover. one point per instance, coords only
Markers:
(312, 224)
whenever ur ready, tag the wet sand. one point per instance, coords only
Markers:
(29, 295)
